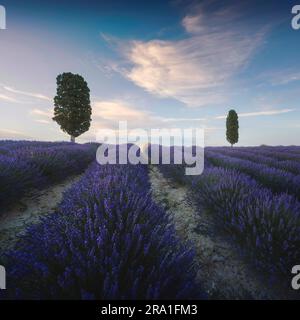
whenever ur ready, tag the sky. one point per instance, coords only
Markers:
(156, 64)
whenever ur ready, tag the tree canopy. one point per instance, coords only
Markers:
(72, 104)
(232, 127)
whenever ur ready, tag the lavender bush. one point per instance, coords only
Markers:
(278, 181)
(32, 166)
(286, 165)
(267, 226)
(16, 176)
(108, 240)
(278, 153)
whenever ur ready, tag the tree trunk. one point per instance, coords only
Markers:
(73, 139)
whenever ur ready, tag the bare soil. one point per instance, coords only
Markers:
(28, 210)
(222, 272)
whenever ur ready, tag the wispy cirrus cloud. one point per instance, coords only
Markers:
(281, 77)
(107, 114)
(112, 111)
(42, 112)
(43, 121)
(44, 115)
(196, 69)
(12, 134)
(260, 113)
(6, 98)
(117, 110)
(28, 94)
(182, 119)
(194, 23)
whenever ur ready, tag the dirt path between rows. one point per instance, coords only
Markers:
(222, 272)
(29, 209)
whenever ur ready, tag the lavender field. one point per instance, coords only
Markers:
(150, 232)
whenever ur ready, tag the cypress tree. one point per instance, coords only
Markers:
(232, 127)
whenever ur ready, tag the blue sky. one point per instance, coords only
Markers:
(156, 64)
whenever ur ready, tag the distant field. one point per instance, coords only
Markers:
(109, 237)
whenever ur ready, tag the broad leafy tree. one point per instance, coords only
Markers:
(232, 127)
(72, 104)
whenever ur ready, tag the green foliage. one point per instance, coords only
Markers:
(72, 104)
(232, 127)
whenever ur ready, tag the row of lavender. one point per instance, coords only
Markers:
(250, 201)
(107, 240)
(280, 153)
(27, 165)
(282, 160)
(273, 175)
(6, 146)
